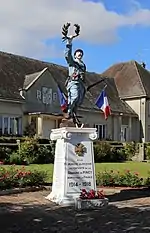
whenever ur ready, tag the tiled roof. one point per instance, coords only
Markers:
(132, 80)
(17, 72)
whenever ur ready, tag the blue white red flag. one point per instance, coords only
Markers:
(62, 100)
(102, 103)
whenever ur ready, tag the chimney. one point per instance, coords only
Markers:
(143, 65)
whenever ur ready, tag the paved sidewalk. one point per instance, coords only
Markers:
(32, 213)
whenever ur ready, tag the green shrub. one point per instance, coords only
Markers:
(147, 151)
(106, 178)
(126, 179)
(15, 158)
(117, 155)
(104, 152)
(5, 153)
(130, 150)
(43, 141)
(147, 180)
(30, 152)
(44, 155)
(11, 177)
(53, 145)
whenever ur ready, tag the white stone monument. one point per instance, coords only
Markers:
(74, 167)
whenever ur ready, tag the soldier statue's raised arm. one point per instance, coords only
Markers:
(75, 83)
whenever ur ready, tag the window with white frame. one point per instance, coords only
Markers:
(10, 125)
(101, 131)
(5, 125)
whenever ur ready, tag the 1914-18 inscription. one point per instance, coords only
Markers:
(80, 172)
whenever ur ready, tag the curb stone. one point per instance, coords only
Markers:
(44, 188)
(21, 190)
(119, 189)
(107, 190)
(111, 191)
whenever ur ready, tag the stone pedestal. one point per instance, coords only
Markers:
(81, 204)
(74, 167)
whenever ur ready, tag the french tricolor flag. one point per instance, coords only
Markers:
(102, 103)
(62, 100)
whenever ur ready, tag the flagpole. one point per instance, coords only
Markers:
(104, 87)
(98, 82)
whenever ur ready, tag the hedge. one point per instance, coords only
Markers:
(33, 151)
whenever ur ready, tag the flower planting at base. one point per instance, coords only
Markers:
(12, 177)
(92, 194)
(118, 179)
(91, 200)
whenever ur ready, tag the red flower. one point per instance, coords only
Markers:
(83, 190)
(136, 173)
(1, 162)
(101, 194)
(91, 194)
(127, 171)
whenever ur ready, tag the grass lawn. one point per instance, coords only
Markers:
(141, 168)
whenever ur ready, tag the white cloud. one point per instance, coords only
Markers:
(26, 24)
